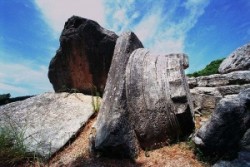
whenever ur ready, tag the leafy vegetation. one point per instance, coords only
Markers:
(4, 98)
(211, 68)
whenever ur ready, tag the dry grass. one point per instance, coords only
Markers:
(77, 154)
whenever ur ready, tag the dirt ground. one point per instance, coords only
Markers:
(76, 154)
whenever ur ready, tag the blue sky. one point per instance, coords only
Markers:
(30, 30)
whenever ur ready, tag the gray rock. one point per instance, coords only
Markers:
(158, 97)
(206, 91)
(192, 82)
(231, 96)
(205, 103)
(205, 99)
(48, 120)
(114, 134)
(243, 160)
(238, 77)
(245, 141)
(83, 60)
(233, 78)
(232, 89)
(212, 80)
(237, 61)
(227, 125)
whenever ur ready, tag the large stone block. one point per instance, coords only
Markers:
(114, 135)
(147, 105)
(47, 121)
(227, 125)
(83, 60)
(158, 97)
(215, 80)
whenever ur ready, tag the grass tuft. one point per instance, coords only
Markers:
(96, 102)
(12, 148)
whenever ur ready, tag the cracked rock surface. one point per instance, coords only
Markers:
(48, 120)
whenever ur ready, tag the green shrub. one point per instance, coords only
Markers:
(211, 68)
(4, 98)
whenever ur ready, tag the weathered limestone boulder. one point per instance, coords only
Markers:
(205, 99)
(83, 60)
(233, 78)
(227, 125)
(208, 90)
(146, 101)
(47, 121)
(232, 89)
(114, 135)
(158, 97)
(192, 82)
(237, 61)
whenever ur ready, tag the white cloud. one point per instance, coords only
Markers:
(147, 28)
(23, 79)
(156, 24)
(196, 8)
(56, 12)
(120, 14)
(158, 27)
